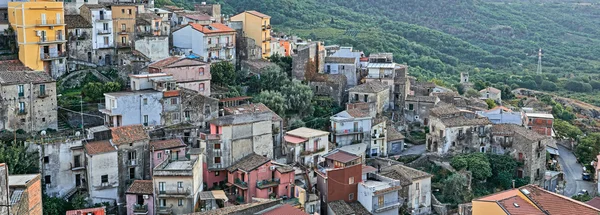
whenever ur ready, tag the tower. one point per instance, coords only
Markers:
(464, 77)
(539, 67)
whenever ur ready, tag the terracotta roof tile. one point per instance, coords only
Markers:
(464, 121)
(595, 202)
(518, 206)
(342, 156)
(99, 147)
(212, 28)
(339, 207)
(164, 62)
(404, 174)
(141, 187)
(166, 144)
(370, 87)
(293, 139)
(444, 109)
(14, 77)
(393, 134)
(285, 209)
(199, 17)
(556, 204)
(249, 163)
(357, 113)
(358, 208)
(94, 211)
(171, 93)
(128, 134)
(512, 129)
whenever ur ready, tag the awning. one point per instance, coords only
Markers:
(295, 140)
(215, 194)
(552, 151)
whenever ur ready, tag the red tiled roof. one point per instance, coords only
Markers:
(357, 113)
(557, 204)
(141, 187)
(94, 211)
(171, 93)
(285, 209)
(293, 139)
(199, 17)
(364, 59)
(164, 62)
(256, 13)
(212, 28)
(499, 107)
(99, 147)
(595, 202)
(342, 156)
(368, 169)
(518, 206)
(166, 144)
(128, 134)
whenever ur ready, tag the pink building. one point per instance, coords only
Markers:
(189, 73)
(255, 176)
(161, 150)
(140, 198)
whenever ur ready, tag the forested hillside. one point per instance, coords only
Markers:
(440, 38)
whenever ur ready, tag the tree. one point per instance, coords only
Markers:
(564, 129)
(273, 78)
(588, 148)
(93, 91)
(272, 99)
(111, 87)
(456, 189)
(477, 163)
(284, 62)
(222, 73)
(595, 84)
(18, 158)
(548, 86)
(503, 168)
(299, 98)
(472, 93)
(55, 205)
(491, 103)
(296, 123)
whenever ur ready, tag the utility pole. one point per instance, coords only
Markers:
(81, 111)
(539, 67)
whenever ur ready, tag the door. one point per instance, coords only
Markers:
(89, 54)
(77, 180)
(140, 199)
(57, 18)
(102, 15)
(43, 19)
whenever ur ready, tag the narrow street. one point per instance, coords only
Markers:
(573, 171)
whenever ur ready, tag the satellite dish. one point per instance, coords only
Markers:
(43, 133)
(77, 134)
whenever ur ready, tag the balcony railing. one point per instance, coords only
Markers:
(379, 135)
(103, 18)
(105, 31)
(348, 131)
(175, 192)
(125, 31)
(123, 45)
(48, 40)
(53, 56)
(241, 184)
(140, 208)
(267, 183)
(265, 27)
(164, 210)
(229, 45)
(132, 162)
(49, 22)
(386, 206)
(215, 46)
(77, 166)
(304, 153)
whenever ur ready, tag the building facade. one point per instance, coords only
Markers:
(350, 126)
(140, 197)
(79, 32)
(189, 73)
(214, 42)
(102, 33)
(102, 171)
(306, 146)
(258, 27)
(177, 183)
(371, 92)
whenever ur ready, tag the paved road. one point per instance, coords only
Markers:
(573, 171)
(414, 150)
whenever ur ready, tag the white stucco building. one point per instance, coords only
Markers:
(102, 33)
(214, 42)
(350, 126)
(102, 171)
(306, 145)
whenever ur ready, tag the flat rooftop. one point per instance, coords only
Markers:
(20, 180)
(175, 168)
(132, 93)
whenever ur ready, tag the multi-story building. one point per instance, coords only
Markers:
(140, 197)
(64, 167)
(345, 66)
(306, 145)
(417, 108)
(102, 171)
(401, 87)
(380, 194)
(29, 98)
(503, 115)
(213, 10)
(198, 109)
(255, 177)
(135, 107)
(177, 184)
(189, 73)
(338, 177)
(491, 93)
(378, 136)
(542, 123)
(373, 92)
(308, 60)
(150, 38)
(213, 42)
(249, 133)
(329, 87)
(123, 18)
(186, 17)
(4, 16)
(161, 150)
(350, 126)
(40, 34)
(258, 27)
(381, 68)
(165, 16)
(79, 32)
(20, 194)
(102, 33)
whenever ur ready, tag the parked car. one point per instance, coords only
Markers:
(586, 176)
(583, 192)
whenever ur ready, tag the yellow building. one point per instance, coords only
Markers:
(258, 27)
(40, 32)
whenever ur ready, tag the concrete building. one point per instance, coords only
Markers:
(165, 16)
(503, 115)
(542, 123)
(306, 145)
(308, 60)
(184, 17)
(395, 140)
(214, 42)
(491, 93)
(371, 92)
(102, 30)
(213, 10)
(338, 177)
(189, 73)
(123, 19)
(345, 66)
(177, 184)
(72, 7)
(160, 150)
(381, 68)
(255, 177)
(29, 98)
(258, 27)
(149, 37)
(79, 32)
(64, 167)
(24, 193)
(249, 133)
(350, 127)
(40, 35)
(378, 136)
(525, 146)
(380, 194)
(102, 171)
(401, 87)
(417, 108)
(140, 197)
(329, 87)
(131, 108)
(198, 109)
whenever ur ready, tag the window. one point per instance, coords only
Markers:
(44, 119)
(351, 180)
(104, 179)
(186, 114)
(42, 89)
(410, 107)
(21, 90)
(46, 159)
(122, 10)
(180, 184)
(161, 186)
(129, 11)
(351, 196)
(270, 190)
(217, 159)
(106, 41)
(159, 155)
(132, 155)
(180, 202)
(162, 202)
(217, 146)
(21, 107)
(47, 179)
(132, 173)
(201, 87)
(105, 26)
(173, 101)
(538, 155)
(209, 41)
(77, 161)
(145, 120)
(311, 209)
(366, 98)
(417, 186)
(175, 116)
(201, 71)
(380, 201)
(217, 173)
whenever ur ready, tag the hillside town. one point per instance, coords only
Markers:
(132, 109)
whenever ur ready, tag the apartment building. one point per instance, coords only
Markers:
(140, 198)
(103, 44)
(350, 126)
(306, 145)
(212, 42)
(189, 73)
(79, 32)
(258, 27)
(177, 184)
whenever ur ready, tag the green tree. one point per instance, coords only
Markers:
(111, 87)
(548, 86)
(284, 62)
(564, 129)
(79, 202)
(588, 148)
(491, 103)
(472, 93)
(503, 168)
(93, 91)
(477, 163)
(299, 98)
(273, 78)
(55, 205)
(595, 84)
(456, 189)
(296, 123)
(274, 100)
(222, 73)
(18, 158)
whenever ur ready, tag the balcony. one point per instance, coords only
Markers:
(103, 19)
(241, 184)
(104, 31)
(77, 166)
(267, 39)
(305, 153)
(140, 209)
(53, 56)
(386, 206)
(48, 40)
(377, 136)
(265, 27)
(123, 45)
(125, 31)
(164, 210)
(105, 45)
(348, 131)
(132, 162)
(48, 23)
(178, 192)
(267, 183)
(229, 45)
(215, 46)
